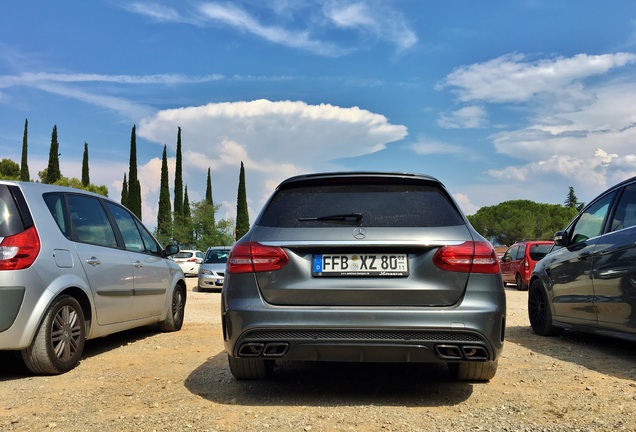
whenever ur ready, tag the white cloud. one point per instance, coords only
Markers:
(592, 173)
(464, 204)
(236, 17)
(156, 11)
(464, 118)
(375, 19)
(578, 133)
(427, 146)
(62, 85)
(510, 78)
(608, 119)
(33, 78)
(299, 25)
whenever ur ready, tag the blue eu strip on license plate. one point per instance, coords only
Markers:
(361, 265)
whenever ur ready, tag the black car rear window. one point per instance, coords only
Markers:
(379, 205)
(538, 251)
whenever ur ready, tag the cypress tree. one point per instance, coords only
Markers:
(188, 231)
(124, 192)
(85, 178)
(208, 199)
(187, 218)
(186, 205)
(164, 214)
(178, 180)
(24, 167)
(134, 187)
(242, 216)
(208, 189)
(178, 230)
(53, 173)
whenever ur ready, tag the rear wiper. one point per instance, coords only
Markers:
(348, 217)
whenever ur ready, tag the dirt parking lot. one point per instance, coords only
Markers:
(142, 380)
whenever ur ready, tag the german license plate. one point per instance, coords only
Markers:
(373, 265)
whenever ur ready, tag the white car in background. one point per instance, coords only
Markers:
(189, 261)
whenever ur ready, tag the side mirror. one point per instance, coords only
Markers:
(172, 249)
(560, 238)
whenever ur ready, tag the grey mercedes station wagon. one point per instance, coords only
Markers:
(75, 266)
(363, 267)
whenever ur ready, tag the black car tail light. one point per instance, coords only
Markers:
(19, 250)
(255, 257)
(475, 257)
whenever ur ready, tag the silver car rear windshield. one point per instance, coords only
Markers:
(370, 205)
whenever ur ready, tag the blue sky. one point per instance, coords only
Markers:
(500, 100)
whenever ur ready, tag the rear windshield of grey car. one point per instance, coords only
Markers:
(372, 205)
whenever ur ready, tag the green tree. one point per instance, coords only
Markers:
(178, 182)
(76, 183)
(85, 177)
(179, 230)
(572, 201)
(9, 170)
(187, 219)
(208, 189)
(53, 173)
(164, 213)
(134, 187)
(124, 192)
(208, 229)
(24, 166)
(206, 232)
(242, 215)
(516, 220)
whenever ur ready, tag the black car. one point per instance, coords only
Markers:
(588, 281)
(363, 267)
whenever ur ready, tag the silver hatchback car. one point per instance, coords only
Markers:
(75, 266)
(363, 267)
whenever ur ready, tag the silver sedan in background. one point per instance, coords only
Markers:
(212, 270)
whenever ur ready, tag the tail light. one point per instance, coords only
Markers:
(191, 260)
(20, 250)
(475, 257)
(255, 257)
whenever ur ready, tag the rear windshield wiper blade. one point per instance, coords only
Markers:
(346, 217)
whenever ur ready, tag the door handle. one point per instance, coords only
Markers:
(584, 255)
(138, 264)
(93, 261)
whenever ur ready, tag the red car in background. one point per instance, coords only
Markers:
(519, 261)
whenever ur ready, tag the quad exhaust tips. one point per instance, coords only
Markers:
(443, 351)
(461, 352)
(259, 349)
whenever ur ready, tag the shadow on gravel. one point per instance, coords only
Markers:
(330, 384)
(610, 356)
(13, 367)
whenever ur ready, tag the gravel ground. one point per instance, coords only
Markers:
(142, 380)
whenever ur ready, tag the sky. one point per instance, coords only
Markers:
(499, 100)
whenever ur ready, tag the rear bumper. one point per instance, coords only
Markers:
(472, 330)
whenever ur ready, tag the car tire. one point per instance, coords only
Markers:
(520, 285)
(539, 311)
(473, 371)
(250, 369)
(59, 341)
(175, 316)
